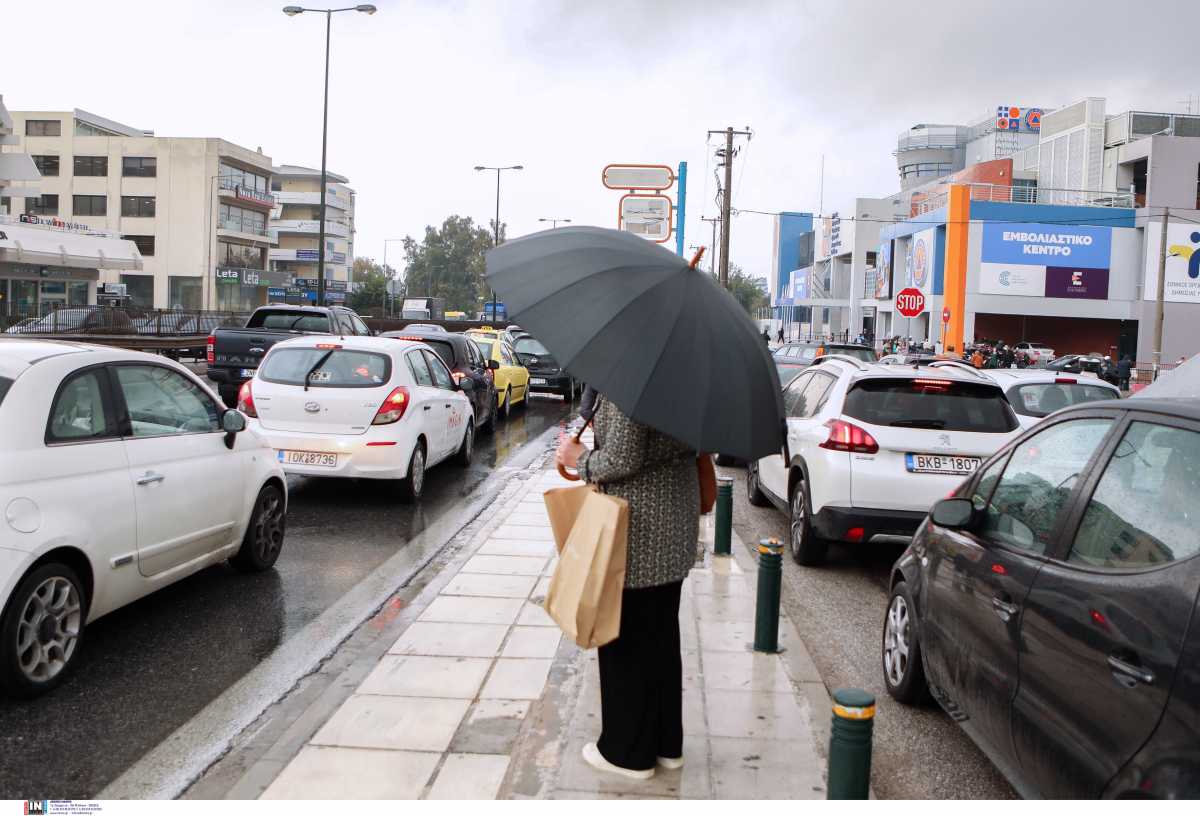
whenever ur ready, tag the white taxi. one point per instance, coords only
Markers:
(360, 407)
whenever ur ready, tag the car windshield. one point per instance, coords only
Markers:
(289, 321)
(443, 349)
(5, 384)
(930, 403)
(857, 352)
(343, 368)
(1042, 399)
(485, 347)
(787, 373)
(532, 347)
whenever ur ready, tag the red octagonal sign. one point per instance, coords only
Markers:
(910, 302)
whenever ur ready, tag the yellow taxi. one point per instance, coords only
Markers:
(512, 378)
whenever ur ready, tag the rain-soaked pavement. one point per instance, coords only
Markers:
(146, 669)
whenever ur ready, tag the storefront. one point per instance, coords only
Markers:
(243, 290)
(304, 290)
(47, 263)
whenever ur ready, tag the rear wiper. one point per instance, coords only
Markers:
(317, 365)
(932, 424)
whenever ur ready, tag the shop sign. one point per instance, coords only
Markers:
(229, 275)
(1045, 260)
(1082, 284)
(1182, 281)
(276, 292)
(54, 223)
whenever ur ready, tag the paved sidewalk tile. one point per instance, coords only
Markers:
(512, 679)
(506, 565)
(469, 776)
(534, 614)
(491, 586)
(532, 641)
(451, 639)
(422, 676)
(513, 546)
(399, 723)
(526, 533)
(353, 773)
(458, 609)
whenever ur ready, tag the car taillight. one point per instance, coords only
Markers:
(210, 349)
(458, 376)
(393, 407)
(850, 438)
(246, 400)
(1067, 380)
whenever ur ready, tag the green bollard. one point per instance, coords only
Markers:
(721, 542)
(850, 744)
(766, 613)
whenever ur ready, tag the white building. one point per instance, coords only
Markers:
(196, 208)
(295, 223)
(47, 262)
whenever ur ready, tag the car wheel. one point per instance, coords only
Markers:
(467, 449)
(506, 405)
(754, 492)
(41, 631)
(806, 548)
(490, 426)
(264, 534)
(903, 671)
(414, 481)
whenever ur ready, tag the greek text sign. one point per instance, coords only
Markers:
(1047, 245)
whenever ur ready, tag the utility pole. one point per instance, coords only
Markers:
(1162, 287)
(727, 195)
(712, 261)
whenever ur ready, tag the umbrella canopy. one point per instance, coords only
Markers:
(1182, 381)
(663, 341)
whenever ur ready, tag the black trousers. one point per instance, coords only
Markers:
(641, 681)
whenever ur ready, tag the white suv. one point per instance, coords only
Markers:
(1035, 351)
(870, 448)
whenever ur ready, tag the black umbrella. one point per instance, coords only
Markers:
(661, 339)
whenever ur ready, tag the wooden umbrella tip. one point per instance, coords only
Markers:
(696, 258)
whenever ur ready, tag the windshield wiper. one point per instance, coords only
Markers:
(932, 424)
(317, 365)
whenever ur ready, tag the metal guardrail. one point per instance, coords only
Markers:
(75, 321)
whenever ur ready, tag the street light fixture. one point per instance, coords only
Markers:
(496, 223)
(292, 11)
(554, 222)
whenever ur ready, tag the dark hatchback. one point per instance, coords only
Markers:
(464, 360)
(545, 373)
(792, 358)
(1050, 604)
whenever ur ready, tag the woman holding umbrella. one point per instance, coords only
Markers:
(664, 346)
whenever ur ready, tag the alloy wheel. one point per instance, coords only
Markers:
(418, 471)
(469, 442)
(799, 516)
(752, 478)
(48, 629)
(268, 531)
(896, 633)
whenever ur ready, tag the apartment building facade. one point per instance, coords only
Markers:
(295, 223)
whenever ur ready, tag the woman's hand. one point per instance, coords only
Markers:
(569, 451)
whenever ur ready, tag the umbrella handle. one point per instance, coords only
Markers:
(573, 475)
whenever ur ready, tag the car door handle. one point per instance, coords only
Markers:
(428, 407)
(1131, 671)
(150, 477)
(1003, 608)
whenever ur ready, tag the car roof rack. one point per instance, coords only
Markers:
(840, 358)
(979, 375)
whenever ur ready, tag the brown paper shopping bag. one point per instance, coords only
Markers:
(562, 506)
(584, 598)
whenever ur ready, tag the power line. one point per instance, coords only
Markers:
(1078, 222)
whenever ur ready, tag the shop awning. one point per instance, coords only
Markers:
(52, 247)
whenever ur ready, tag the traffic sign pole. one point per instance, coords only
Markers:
(680, 208)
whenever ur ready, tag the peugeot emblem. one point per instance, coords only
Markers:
(312, 407)
(943, 440)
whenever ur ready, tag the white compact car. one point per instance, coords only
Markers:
(360, 407)
(1035, 393)
(870, 448)
(122, 473)
(1036, 352)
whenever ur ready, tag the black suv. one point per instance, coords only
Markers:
(1050, 604)
(464, 360)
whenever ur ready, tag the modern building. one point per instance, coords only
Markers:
(47, 262)
(295, 223)
(196, 208)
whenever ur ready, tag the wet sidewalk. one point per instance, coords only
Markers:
(482, 698)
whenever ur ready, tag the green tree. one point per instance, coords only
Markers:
(449, 263)
(370, 290)
(748, 291)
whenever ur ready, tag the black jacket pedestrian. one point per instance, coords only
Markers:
(1124, 367)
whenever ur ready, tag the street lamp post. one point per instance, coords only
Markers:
(554, 222)
(387, 241)
(292, 11)
(496, 224)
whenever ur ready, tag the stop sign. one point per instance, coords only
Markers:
(910, 302)
(946, 315)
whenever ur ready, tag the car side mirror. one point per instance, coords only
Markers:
(493, 364)
(233, 422)
(466, 384)
(953, 514)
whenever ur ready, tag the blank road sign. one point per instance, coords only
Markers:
(647, 215)
(638, 177)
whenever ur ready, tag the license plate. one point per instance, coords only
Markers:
(248, 373)
(289, 457)
(536, 381)
(929, 463)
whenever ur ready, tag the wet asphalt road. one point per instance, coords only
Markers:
(919, 753)
(146, 669)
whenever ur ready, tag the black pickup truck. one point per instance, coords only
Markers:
(234, 354)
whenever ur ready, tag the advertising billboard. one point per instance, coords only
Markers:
(800, 283)
(1183, 262)
(920, 260)
(1045, 260)
(884, 261)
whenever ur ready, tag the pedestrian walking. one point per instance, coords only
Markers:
(641, 672)
(779, 336)
(977, 359)
(1124, 369)
(766, 338)
(1108, 371)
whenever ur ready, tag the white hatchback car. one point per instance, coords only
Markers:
(871, 448)
(1035, 393)
(360, 407)
(122, 473)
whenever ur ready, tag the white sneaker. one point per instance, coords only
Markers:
(670, 763)
(593, 757)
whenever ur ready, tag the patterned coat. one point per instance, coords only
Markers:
(657, 476)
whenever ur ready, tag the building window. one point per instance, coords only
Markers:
(145, 243)
(42, 205)
(276, 186)
(241, 256)
(5, 205)
(91, 165)
(183, 292)
(238, 219)
(137, 206)
(145, 167)
(89, 205)
(46, 165)
(43, 127)
(140, 289)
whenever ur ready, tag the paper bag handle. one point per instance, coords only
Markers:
(573, 475)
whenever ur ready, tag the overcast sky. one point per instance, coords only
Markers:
(423, 91)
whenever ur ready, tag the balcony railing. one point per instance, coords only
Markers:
(1028, 195)
(306, 227)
